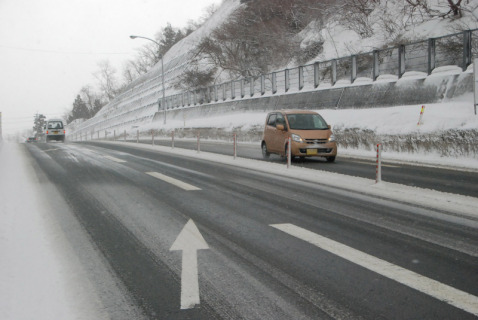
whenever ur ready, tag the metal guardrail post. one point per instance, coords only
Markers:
(431, 55)
(333, 72)
(274, 82)
(251, 86)
(401, 60)
(316, 75)
(263, 85)
(376, 64)
(353, 68)
(467, 54)
(287, 79)
(301, 77)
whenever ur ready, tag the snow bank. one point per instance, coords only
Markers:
(38, 280)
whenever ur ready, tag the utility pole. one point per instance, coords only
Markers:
(1, 136)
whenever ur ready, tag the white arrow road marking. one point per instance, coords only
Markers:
(189, 241)
(176, 182)
(114, 159)
(440, 291)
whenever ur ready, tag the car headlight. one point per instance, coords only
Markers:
(332, 138)
(296, 138)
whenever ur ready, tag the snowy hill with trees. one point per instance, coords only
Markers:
(247, 39)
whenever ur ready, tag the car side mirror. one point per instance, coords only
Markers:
(280, 127)
(329, 126)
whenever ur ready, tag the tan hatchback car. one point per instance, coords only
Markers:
(310, 135)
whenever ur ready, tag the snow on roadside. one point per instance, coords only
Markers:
(37, 281)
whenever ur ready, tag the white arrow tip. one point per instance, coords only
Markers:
(189, 238)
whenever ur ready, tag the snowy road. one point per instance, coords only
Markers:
(276, 246)
(436, 177)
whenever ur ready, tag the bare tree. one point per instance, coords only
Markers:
(106, 76)
(356, 15)
(260, 36)
(454, 8)
(92, 99)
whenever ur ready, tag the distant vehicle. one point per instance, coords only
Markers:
(310, 135)
(32, 139)
(54, 130)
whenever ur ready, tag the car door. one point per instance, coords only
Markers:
(269, 131)
(280, 136)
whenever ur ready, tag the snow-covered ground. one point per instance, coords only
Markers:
(35, 278)
(41, 274)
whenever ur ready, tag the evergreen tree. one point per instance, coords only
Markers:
(38, 124)
(80, 110)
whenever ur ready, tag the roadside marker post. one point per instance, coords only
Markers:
(378, 172)
(114, 135)
(235, 145)
(199, 143)
(172, 139)
(125, 136)
(152, 137)
(475, 83)
(289, 154)
(421, 116)
(137, 136)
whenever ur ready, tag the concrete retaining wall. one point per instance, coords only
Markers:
(432, 89)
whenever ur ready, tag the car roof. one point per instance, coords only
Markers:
(295, 111)
(55, 120)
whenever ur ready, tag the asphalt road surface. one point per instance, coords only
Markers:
(191, 239)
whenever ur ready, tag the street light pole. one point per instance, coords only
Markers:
(162, 74)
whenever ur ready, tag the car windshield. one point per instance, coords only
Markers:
(306, 121)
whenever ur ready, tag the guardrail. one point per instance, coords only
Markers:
(422, 56)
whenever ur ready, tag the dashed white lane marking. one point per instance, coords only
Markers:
(440, 291)
(114, 159)
(176, 182)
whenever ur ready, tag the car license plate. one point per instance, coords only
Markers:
(311, 152)
(55, 132)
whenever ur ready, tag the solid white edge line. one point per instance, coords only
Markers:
(176, 182)
(433, 288)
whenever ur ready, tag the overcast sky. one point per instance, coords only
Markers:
(49, 49)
